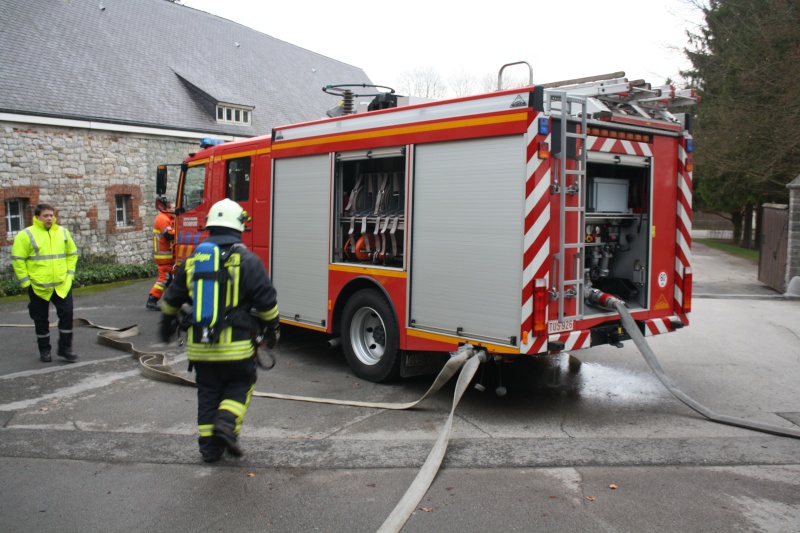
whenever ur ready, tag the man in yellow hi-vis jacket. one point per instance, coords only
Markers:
(224, 358)
(44, 258)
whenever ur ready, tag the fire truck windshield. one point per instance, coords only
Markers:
(192, 190)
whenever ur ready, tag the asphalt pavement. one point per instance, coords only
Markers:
(589, 443)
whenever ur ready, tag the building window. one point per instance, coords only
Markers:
(233, 115)
(15, 216)
(124, 203)
(123, 209)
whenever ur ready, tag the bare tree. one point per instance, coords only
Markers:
(488, 82)
(424, 82)
(463, 84)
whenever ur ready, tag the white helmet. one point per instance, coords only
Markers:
(227, 214)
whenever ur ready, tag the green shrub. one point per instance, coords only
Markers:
(93, 269)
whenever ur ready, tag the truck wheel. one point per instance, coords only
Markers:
(370, 336)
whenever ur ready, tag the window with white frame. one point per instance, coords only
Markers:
(123, 209)
(234, 115)
(15, 216)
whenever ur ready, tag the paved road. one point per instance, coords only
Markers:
(95, 446)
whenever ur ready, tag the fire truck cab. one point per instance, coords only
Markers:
(505, 220)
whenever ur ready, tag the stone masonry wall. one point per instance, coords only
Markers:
(793, 248)
(80, 172)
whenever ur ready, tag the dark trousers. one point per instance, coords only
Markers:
(39, 309)
(223, 393)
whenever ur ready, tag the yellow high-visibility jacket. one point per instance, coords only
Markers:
(45, 259)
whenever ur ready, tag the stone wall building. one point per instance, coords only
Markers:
(94, 96)
(793, 246)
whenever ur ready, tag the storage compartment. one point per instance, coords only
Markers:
(369, 207)
(617, 238)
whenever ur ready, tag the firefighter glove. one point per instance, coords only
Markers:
(271, 336)
(168, 327)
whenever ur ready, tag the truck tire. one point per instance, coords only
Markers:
(370, 336)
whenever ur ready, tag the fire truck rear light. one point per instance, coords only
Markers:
(544, 126)
(687, 290)
(539, 307)
(544, 151)
(689, 164)
(689, 146)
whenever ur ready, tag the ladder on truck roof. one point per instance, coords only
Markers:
(614, 93)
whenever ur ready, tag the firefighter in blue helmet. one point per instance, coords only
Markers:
(224, 359)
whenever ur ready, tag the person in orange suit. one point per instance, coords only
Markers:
(163, 236)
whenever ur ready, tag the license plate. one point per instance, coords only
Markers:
(558, 327)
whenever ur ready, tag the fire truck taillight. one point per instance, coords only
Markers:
(544, 151)
(687, 290)
(689, 163)
(539, 307)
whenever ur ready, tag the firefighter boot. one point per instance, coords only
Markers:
(211, 448)
(223, 428)
(65, 347)
(68, 354)
(152, 303)
(44, 356)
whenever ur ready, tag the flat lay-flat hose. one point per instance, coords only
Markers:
(632, 329)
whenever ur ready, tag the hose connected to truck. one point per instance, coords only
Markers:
(602, 299)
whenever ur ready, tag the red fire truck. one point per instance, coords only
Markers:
(504, 220)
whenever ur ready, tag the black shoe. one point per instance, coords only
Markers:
(152, 303)
(224, 430)
(44, 356)
(213, 457)
(68, 354)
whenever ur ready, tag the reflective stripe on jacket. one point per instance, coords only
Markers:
(45, 259)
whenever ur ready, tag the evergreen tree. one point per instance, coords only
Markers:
(746, 65)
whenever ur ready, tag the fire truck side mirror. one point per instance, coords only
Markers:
(161, 180)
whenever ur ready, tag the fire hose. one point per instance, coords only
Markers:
(630, 326)
(154, 366)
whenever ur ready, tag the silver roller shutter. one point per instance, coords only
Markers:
(300, 242)
(467, 245)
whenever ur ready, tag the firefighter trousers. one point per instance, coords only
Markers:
(39, 310)
(224, 390)
(163, 280)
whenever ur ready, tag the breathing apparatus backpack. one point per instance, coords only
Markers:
(209, 286)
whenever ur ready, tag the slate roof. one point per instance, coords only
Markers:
(124, 64)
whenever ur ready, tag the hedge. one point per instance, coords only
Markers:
(91, 270)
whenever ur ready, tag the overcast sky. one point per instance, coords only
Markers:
(561, 39)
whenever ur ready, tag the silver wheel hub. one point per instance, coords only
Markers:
(368, 336)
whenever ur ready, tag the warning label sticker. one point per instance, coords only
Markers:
(661, 303)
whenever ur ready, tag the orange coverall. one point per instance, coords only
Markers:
(162, 250)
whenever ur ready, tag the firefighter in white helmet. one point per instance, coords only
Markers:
(224, 359)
